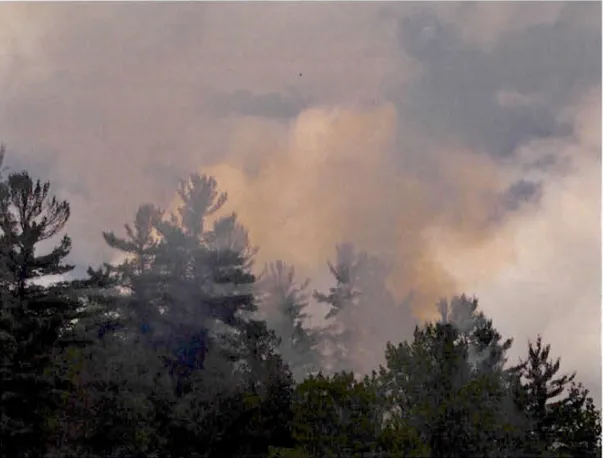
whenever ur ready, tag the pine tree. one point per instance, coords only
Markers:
(358, 297)
(485, 345)
(188, 296)
(459, 408)
(134, 275)
(579, 428)
(123, 370)
(563, 418)
(186, 282)
(206, 273)
(35, 319)
(283, 302)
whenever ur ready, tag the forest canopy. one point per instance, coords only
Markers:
(181, 350)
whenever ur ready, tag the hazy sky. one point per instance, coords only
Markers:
(460, 141)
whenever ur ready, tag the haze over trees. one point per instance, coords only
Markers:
(180, 351)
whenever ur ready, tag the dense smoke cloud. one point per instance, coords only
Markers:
(330, 179)
(555, 278)
(459, 142)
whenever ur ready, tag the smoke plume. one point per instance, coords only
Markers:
(460, 143)
(331, 180)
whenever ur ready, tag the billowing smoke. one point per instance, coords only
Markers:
(332, 180)
(329, 178)
(459, 143)
(555, 276)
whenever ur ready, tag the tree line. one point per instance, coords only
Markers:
(172, 353)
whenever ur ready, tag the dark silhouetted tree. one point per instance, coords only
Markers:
(459, 408)
(35, 320)
(333, 416)
(563, 418)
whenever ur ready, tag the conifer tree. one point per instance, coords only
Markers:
(460, 408)
(134, 275)
(358, 297)
(35, 320)
(206, 274)
(188, 299)
(186, 281)
(283, 302)
(562, 414)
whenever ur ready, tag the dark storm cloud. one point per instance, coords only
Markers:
(462, 89)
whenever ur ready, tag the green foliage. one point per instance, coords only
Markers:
(333, 416)
(399, 439)
(35, 320)
(562, 416)
(279, 452)
(458, 408)
(165, 355)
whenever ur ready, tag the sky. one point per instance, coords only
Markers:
(460, 142)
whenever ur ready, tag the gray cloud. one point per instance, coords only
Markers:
(459, 92)
(521, 191)
(244, 103)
